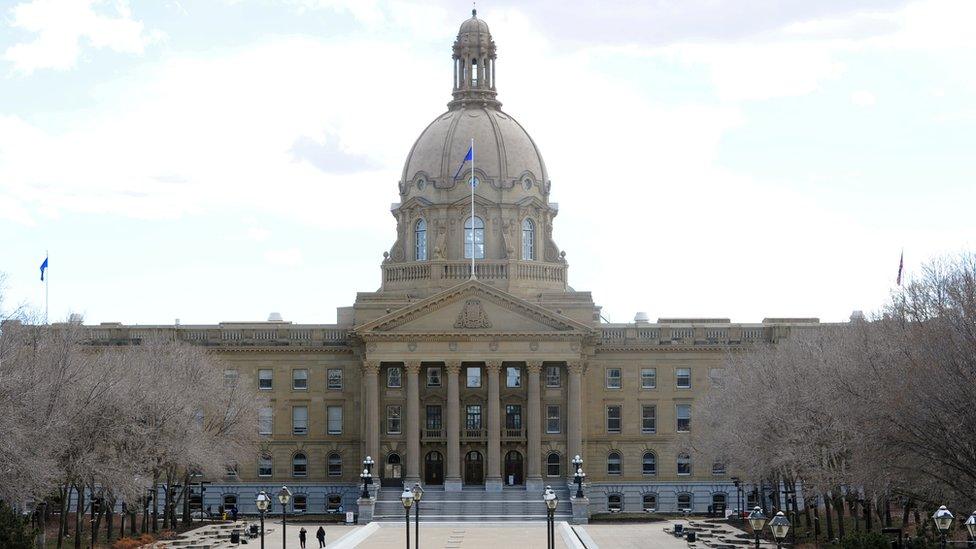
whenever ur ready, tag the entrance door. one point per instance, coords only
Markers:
(434, 468)
(474, 468)
(513, 468)
(392, 471)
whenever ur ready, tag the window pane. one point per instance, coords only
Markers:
(648, 378)
(264, 380)
(393, 420)
(474, 376)
(299, 379)
(552, 376)
(649, 464)
(613, 464)
(433, 376)
(335, 378)
(648, 418)
(474, 239)
(650, 503)
(265, 421)
(552, 419)
(683, 412)
(613, 378)
(434, 420)
(513, 377)
(683, 377)
(528, 239)
(393, 378)
(335, 465)
(299, 420)
(718, 468)
(684, 502)
(264, 466)
(684, 464)
(513, 416)
(420, 239)
(552, 465)
(473, 418)
(301, 504)
(335, 420)
(299, 465)
(230, 378)
(613, 419)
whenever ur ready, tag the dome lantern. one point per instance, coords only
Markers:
(474, 65)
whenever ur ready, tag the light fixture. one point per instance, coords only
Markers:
(284, 495)
(262, 501)
(943, 519)
(780, 525)
(406, 498)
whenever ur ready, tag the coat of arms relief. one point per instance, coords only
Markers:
(472, 316)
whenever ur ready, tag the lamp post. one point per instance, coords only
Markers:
(780, 525)
(418, 492)
(284, 496)
(738, 497)
(551, 501)
(971, 526)
(758, 521)
(407, 499)
(367, 479)
(578, 479)
(368, 469)
(262, 501)
(943, 520)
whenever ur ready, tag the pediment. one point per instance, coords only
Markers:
(473, 308)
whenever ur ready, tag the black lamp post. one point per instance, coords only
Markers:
(971, 526)
(367, 479)
(943, 520)
(551, 501)
(780, 526)
(578, 479)
(263, 502)
(738, 497)
(758, 521)
(406, 498)
(284, 496)
(418, 492)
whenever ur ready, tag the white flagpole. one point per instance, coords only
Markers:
(472, 210)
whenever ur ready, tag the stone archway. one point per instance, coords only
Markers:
(474, 468)
(514, 469)
(434, 468)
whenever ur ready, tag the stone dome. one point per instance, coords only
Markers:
(504, 155)
(474, 24)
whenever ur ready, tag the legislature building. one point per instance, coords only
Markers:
(482, 384)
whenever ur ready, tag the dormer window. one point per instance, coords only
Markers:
(420, 240)
(528, 239)
(474, 238)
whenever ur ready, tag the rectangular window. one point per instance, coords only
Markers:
(716, 376)
(648, 378)
(334, 463)
(473, 419)
(613, 418)
(513, 416)
(301, 504)
(393, 420)
(683, 413)
(552, 376)
(613, 378)
(264, 380)
(474, 376)
(299, 379)
(230, 378)
(513, 377)
(299, 420)
(648, 418)
(335, 420)
(335, 379)
(434, 418)
(265, 421)
(682, 378)
(552, 419)
(264, 466)
(718, 468)
(433, 376)
(394, 378)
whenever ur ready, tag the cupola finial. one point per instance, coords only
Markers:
(474, 9)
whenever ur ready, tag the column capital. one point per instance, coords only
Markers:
(371, 366)
(533, 366)
(576, 366)
(453, 367)
(412, 366)
(493, 366)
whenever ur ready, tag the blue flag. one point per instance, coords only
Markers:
(43, 268)
(467, 158)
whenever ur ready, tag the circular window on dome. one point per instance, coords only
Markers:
(421, 184)
(475, 182)
(527, 183)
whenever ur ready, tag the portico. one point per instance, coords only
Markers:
(486, 385)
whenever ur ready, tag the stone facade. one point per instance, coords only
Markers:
(492, 378)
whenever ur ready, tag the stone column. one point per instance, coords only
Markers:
(371, 371)
(574, 422)
(452, 480)
(533, 427)
(413, 424)
(493, 480)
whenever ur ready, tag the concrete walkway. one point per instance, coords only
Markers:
(458, 535)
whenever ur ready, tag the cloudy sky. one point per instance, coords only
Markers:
(218, 160)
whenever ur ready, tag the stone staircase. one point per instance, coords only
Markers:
(211, 536)
(472, 504)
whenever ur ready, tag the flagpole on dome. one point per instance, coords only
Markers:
(473, 253)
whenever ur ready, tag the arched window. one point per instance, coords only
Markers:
(474, 73)
(264, 465)
(615, 503)
(718, 498)
(300, 503)
(649, 503)
(474, 238)
(613, 463)
(552, 465)
(718, 468)
(528, 239)
(333, 503)
(684, 502)
(420, 240)
(335, 465)
(299, 465)
(649, 464)
(230, 500)
(684, 464)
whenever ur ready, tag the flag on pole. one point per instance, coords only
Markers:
(901, 265)
(43, 268)
(467, 158)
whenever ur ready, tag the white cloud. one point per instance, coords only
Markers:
(62, 27)
(258, 234)
(289, 257)
(863, 98)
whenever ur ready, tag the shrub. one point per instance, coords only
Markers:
(865, 540)
(14, 531)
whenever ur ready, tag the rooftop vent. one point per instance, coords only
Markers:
(75, 318)
(641, 316)
(274, 317)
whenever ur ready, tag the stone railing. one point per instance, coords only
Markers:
(400, 275)
(231, 335)
(473, 434)
(513, 434)
(664, 334)
(432, 434)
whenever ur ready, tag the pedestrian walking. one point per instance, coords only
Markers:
(301, 536)
(320, 534)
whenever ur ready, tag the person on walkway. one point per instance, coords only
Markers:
(301, 536)
(320, 534)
